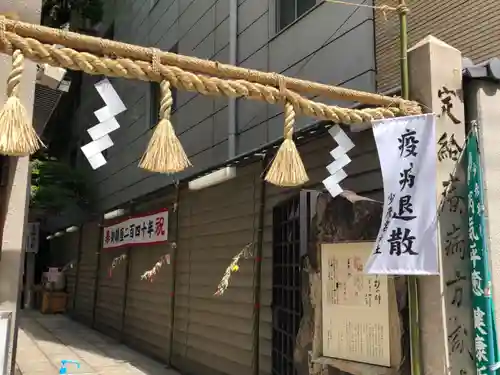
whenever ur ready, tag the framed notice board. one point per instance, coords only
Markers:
(355, 306)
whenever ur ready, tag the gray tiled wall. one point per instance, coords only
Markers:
(333, 43)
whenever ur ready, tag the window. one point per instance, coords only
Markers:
(289, 10)
(291, 228)
(155, 97)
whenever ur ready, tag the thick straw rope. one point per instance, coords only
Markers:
(287, 168)
(93, 45)
(17, 136)
(120, 67)
(14, 78)
(165, 153)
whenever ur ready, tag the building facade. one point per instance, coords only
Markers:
(471, 27)
(301, 42)
(251, 329)
(177, 318)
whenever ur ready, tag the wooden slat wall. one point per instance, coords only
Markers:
(364, 178)
(72, 243)
(473, 27)
(213, 335)
(110, 293)
(147, 311)
(86, 273)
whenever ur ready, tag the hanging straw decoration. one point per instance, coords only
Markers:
(150, 275)
(115, 263)
(17, 135)
(245, 253)
(165, 153)
(287, 169)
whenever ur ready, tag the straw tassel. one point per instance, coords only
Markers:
(165, 153)
(17, 135)
(287, 169)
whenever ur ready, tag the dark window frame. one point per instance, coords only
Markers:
(306, 6)
(291, 228)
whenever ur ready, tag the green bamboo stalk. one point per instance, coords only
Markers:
(403, 30)
(415, 355)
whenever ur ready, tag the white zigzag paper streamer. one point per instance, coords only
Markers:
(107, 123)
(336, 168)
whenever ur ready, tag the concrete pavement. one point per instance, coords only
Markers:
(44, 340)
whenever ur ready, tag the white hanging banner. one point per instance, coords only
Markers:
(147, 229)
(407, 239)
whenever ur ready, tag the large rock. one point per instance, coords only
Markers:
(346, 218)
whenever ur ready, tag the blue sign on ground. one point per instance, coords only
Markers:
(64, 362)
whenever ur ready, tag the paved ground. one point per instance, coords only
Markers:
(44, 340)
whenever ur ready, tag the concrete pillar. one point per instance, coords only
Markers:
(436, 82)
(13, 238)
(482, 105)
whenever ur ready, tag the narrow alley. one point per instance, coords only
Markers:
(45, 340)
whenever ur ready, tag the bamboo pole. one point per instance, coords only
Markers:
(415, 355)
(405, 79)
(98, 46)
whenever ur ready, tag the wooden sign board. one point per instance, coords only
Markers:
(355, 306)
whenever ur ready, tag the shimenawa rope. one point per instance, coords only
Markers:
(287, 168)
(91, 64)
(165, 153)
(86, 43)
(17, 135)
